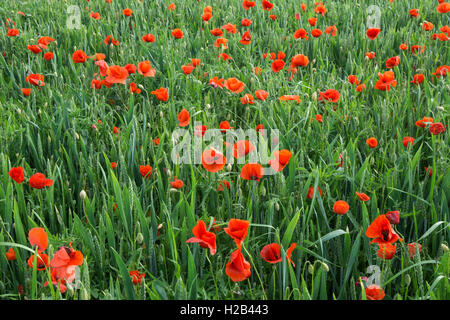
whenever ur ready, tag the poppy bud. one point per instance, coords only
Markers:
(19, 111)
(440, 108)
(263, 191)
(314, 70)
(229, 167)
(169, 173)
(325, 267)
(77, 136)
(277, 206)
(139, 238)
(314, 95)
(83, 195)
(161, 114)
(444, 247)
(407, 280)
(310, 268)
(173, 190)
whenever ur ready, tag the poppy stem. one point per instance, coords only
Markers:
(256, 270)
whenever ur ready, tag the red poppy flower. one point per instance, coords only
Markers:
(408, 141)
(372, 33)
(213, 160)
(374, 292)
(148, 38)
(136, 277)
(35, 80)
(277, 65)
(38, 181)
(187, 69)
(418, 79)
(271, 253)
(177, 34)
(267, 5)
(64, 262)
(412, 249)
(10, 255)
(48, 56)
(427, 26)
(393, 217)
(252, 171)
(79, 56)
(16, 173)
(162, 94)
(247, 4)
(145, 171)
(331, 29)
(38, 237)
(316, 33)
(224, 126)
(261, 94)
(116, 74)
(216, 32)
(443, 7)
(238, 269)
(205, 238)
(200, 130)
(381, 230)
(437, 128)
(134, 88)
(94, 15)
(320, 9)
(216, 82)
(413, 13)
(363, 197)
(246, 38)
(370, 55)
(361, 88)
(127, 12)
(247, 99)
(290, 97)
(34, 48)
(26, 91)
(281, 160)
(230, 28)
(113, 165)
(41, 261)
(386, 251)
(392, 62)
(301, 34)
(386, 80)
(441, 71)
(184, 118)
(109, 39)
(195, 62)
(341, 207)
(176, 183)
(242, 148)
(246, 22)
(403, 46)
(171, 7)
(352, 79)
(372, 142)
(238, 230)
(146, 69)
(13, 32)
(311, 192)
(331, 95)
(234, 85)
(223, 184)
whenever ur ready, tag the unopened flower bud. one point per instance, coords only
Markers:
(444, 247)
(407, 279)
(83, 194)
(139, 238)
(310, 268)
(229, 167)
(277, 206)
(325, 267)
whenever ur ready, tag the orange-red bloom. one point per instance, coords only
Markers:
(145, 171)
(372, 142)
(341, 207)
(79, 56)
(162, 94)
(213, 160)
(252, 171)
(176, 183)
(184, 118)
(38, 237)
(234, 85)
(238, 230)
(242, 148)
(238, 269)
(363, 197)
(205, 238)
(331, 95)
(386, 251)
(372, 33)
(116, 74)
(16, 173)
(374, 292)
(246, 38)
(10, 255)
(281, 159)
(136, 276)
(38, 181)
(386, 80)
(381, 230)
(177, 34)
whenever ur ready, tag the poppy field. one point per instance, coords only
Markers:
(224, 150)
